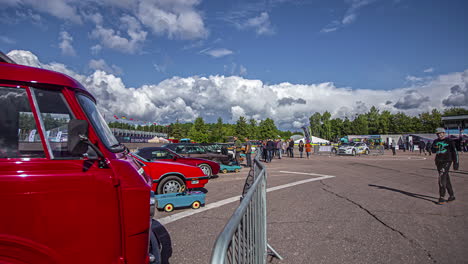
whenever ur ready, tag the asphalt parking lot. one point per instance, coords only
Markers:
(364, 209)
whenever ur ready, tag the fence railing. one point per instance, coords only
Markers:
(376, 150)
(244, 238)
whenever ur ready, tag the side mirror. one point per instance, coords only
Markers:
(77, 130)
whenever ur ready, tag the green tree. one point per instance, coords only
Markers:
(242, 129)
(336, 129)
(253, 129)
(360, 125)
(315, 124)
(385, 122)
(198, 132)
(455, 111)
(176, 130)
(326, 131)
(267, 129)
(373, 117)
(217, 134)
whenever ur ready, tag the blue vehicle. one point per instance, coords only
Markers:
(229, 168)
(169, 201)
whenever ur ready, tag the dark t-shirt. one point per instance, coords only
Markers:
(445, 150)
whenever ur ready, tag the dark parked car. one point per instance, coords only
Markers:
(197, 151)
(208, 167)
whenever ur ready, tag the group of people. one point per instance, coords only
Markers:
(278, 148)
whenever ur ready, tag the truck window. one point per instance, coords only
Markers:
(18, 131)
(54, 115)
(99, 124)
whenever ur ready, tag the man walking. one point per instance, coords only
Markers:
(270, 149)
(238, 149)
(446, 153)
(291, 148)
(248, 152)
(422, 147)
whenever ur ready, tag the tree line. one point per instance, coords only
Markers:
(321, 125)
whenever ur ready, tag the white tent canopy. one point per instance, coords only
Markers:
(315, 140)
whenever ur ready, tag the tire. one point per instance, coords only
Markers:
(206, 169)
(236, 170)
(169, 207)
(353, 152)
(155, 247)
(367, 152)
(170, 184)
(334, 152)
(224, 171)
(196, 205)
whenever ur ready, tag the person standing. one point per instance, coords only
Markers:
(446, 154)
(238, 149)
(291, 148)
(422, 147)
(308, 148)
(301, 148)
(429, 148)
(248, 152)
(279, 148)
(270, 149)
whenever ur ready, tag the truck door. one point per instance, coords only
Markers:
(61, 202)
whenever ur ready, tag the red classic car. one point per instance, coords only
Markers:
(169, 177)
(210, 168)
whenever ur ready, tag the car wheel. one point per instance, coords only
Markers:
(169, 207)
(334, 151)
(354, 152)
(236, 170)
(196, 205)
(170, 184)
(206, 169)
(367, 152)
(224, 170)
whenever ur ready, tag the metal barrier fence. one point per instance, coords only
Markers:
(244, 238)
(376, 150)
(325, 150)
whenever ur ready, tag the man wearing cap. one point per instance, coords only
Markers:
(446, 153)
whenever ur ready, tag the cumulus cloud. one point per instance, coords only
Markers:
(102, 65)
(112, 39)
(230, 97)
(411, 100)
(66, 44)
(458, 94)
(175, 19)
(217, 53)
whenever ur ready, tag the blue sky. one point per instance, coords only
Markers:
(357, 44)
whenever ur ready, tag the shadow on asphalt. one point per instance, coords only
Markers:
(164, 239)
(415, 195)
(452, 171)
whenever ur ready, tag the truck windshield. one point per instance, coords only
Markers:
(99, 124)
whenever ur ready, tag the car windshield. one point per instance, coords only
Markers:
(99, 124)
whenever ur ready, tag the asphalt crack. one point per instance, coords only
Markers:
(414, 242)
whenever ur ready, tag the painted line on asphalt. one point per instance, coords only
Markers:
(178, 216)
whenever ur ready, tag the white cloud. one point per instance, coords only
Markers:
(229, 97)
(113, 39)
(217, 53)
(96, 49)
(177, 18)
(261, 24)
(350, 15)
(7, 40)
(66, 44)
(102, 65)
(61, 9)
(242, 70)
(428, 70)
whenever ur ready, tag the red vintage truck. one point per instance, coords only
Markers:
(69, 192)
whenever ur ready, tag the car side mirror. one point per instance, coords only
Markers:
(77, 131)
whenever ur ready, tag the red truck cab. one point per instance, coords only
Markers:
(69, 191)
